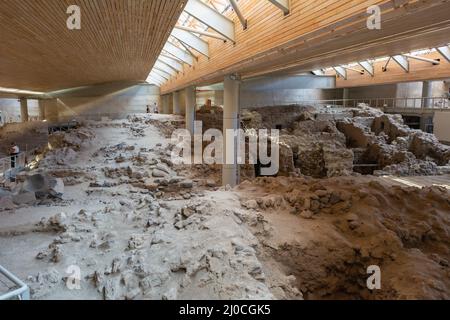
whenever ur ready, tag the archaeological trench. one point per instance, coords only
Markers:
(354, 190)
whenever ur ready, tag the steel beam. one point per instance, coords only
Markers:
(213, 19)
(179, 53)
(152, 80)
(166, 54)
(162, 73)
(192, 41)
(445, 52)
(283, 5)
(368, 66)
(341, 72)
(187, 49)
(402, 61)
(318, 72)
(434, 62)
(353, 69)
(157, 77)
(202, 33)
(173, 63)
(164, 67)
(239, 14)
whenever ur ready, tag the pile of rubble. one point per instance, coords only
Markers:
(75, 139)
(321, 143)
(166, 126)
(165, 250)
(327, 232)
(384, 140)
(318, 148)
(31, 190)
(63, 146)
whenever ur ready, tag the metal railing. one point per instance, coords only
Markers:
(432, 103)
(19, 290)
(7, 171)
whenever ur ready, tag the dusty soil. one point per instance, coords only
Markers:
(327, 232)
(138, 227)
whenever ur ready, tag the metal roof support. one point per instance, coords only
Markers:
(402, 61)
(161, 73)
(445, 52)
(239, 14)
(213, 19)
(187, 49)
(152, 80)
(434, 62)
(341, 72)
(318, 72)
(368, 66)
(157, 77)
(179, 53)
(284, 5)
(173, 63)
(353, 69)
(164, 67)
(166, 54)
(386, 64)
(192, 41)
(202, 33)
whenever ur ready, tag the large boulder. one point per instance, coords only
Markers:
(42, 186)
(6, 202)
(25, 198)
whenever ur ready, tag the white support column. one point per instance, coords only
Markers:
(218, 97)
(23, 109)
(176, 103)
(427, 92)
(191, 102)
(41, 104)
(231, 111)
(160, 104)
(165, 103)
(51, 110)
(345, 96)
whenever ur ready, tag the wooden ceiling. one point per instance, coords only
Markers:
(119, 40)
(316, 34)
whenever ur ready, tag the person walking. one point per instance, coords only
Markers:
(14, 152)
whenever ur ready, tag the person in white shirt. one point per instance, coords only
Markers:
(14, 152)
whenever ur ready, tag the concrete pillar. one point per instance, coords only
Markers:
(345, 95)
(170, 100)
(24, 110)
(218, 97)
(160, 104)
(427, 92)
(41, 104)
(165, 102)
(182, 95)
(231, 112)
(176, 103)
(51, 110)
(191, 103)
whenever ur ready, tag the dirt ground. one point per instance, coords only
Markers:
(136, 227)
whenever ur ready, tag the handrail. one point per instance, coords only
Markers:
(23, 292)
(428, 103)
(22, 161)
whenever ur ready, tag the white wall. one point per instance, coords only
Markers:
(10, 109)
(287, 90)
(115, 101)
(442, 126)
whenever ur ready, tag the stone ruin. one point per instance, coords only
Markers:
(327, 142)
(383, 140)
